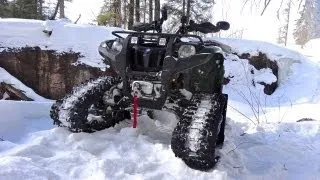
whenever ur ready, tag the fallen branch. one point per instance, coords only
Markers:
(77, 19)
(14, 92)
(242, 114)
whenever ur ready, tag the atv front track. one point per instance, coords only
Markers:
(86, 102)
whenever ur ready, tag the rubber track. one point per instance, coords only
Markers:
(195, 136)
(72, 110)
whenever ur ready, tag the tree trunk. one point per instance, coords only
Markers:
(124, 17)
(62, 9)
(188, 11)
(156, 9)
(288, 21)
(53, 16)
(150, 11)
(40, 13)
(137, 10)
(131, 14)
(117, 10)
(144, 11)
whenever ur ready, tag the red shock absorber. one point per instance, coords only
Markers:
(135, 111)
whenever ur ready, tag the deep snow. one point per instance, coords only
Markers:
(38, 150)
(278, 147)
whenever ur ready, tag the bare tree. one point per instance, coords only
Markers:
(266, 4)
(40, 9)
(61, 4)
(278, 11)
(137, 9)
(117, 10)
(300, 3)
(131, 14)
(156, 9)
(144, 11)
(288, 11)
(150, 10)
(124, 19)
(188, 10)
(55, 12)
(256, 4)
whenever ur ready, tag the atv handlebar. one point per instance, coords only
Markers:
(205, 27)
(164, 35)
(145, 26)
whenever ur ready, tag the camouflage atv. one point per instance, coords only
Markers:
(176, 72)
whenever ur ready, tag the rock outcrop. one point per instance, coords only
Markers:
(262, 61)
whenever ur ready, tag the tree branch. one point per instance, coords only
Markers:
(266, 4)
(77, 19)
(55, 11)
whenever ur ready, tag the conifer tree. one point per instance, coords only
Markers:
(307, 26)
(4, 9)
(284, 29)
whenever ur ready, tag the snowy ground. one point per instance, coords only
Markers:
(264, 142)
(34, 149)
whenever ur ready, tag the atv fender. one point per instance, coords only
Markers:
(207, 77)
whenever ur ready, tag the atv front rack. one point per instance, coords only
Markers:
(156, 35)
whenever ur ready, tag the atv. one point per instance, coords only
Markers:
(157, 71)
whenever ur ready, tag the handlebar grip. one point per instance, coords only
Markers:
(205, 27)
(143, 27)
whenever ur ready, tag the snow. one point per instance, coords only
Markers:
(66, 36)
(197, 126)
(311, 48)
(263, 138)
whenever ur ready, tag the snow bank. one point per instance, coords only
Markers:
(312, 47)
(298, 75)
(85, 39)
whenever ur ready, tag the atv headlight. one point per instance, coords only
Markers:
(116, 46)
(104, 45)
(186, 51)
